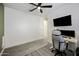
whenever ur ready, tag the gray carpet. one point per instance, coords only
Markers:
(45, 51)
(36, 48)
(26, 48)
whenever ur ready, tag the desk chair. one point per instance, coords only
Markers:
(58, 43)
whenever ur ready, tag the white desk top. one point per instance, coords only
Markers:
(73, 40)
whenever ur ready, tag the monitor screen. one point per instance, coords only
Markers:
(63, 21)
(70, 33)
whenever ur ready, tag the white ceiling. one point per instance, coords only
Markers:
(25, 7)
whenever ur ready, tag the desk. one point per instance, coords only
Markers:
(72, 40)
(71, 47)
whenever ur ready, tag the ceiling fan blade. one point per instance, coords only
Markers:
(41, 11)
(48, 6)
(33, 4)
(39, 4)
(33, 9)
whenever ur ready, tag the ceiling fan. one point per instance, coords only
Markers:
(39, 6)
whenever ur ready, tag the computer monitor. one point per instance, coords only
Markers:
(70, 33)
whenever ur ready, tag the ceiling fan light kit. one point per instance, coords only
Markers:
(39, 8)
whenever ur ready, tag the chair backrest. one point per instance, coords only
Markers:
(58, 40)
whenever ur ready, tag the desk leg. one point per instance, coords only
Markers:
(69, 49)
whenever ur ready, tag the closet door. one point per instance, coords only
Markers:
(1, 24)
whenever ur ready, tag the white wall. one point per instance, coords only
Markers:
(21, 27)
(66, 9)
(14, 36)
